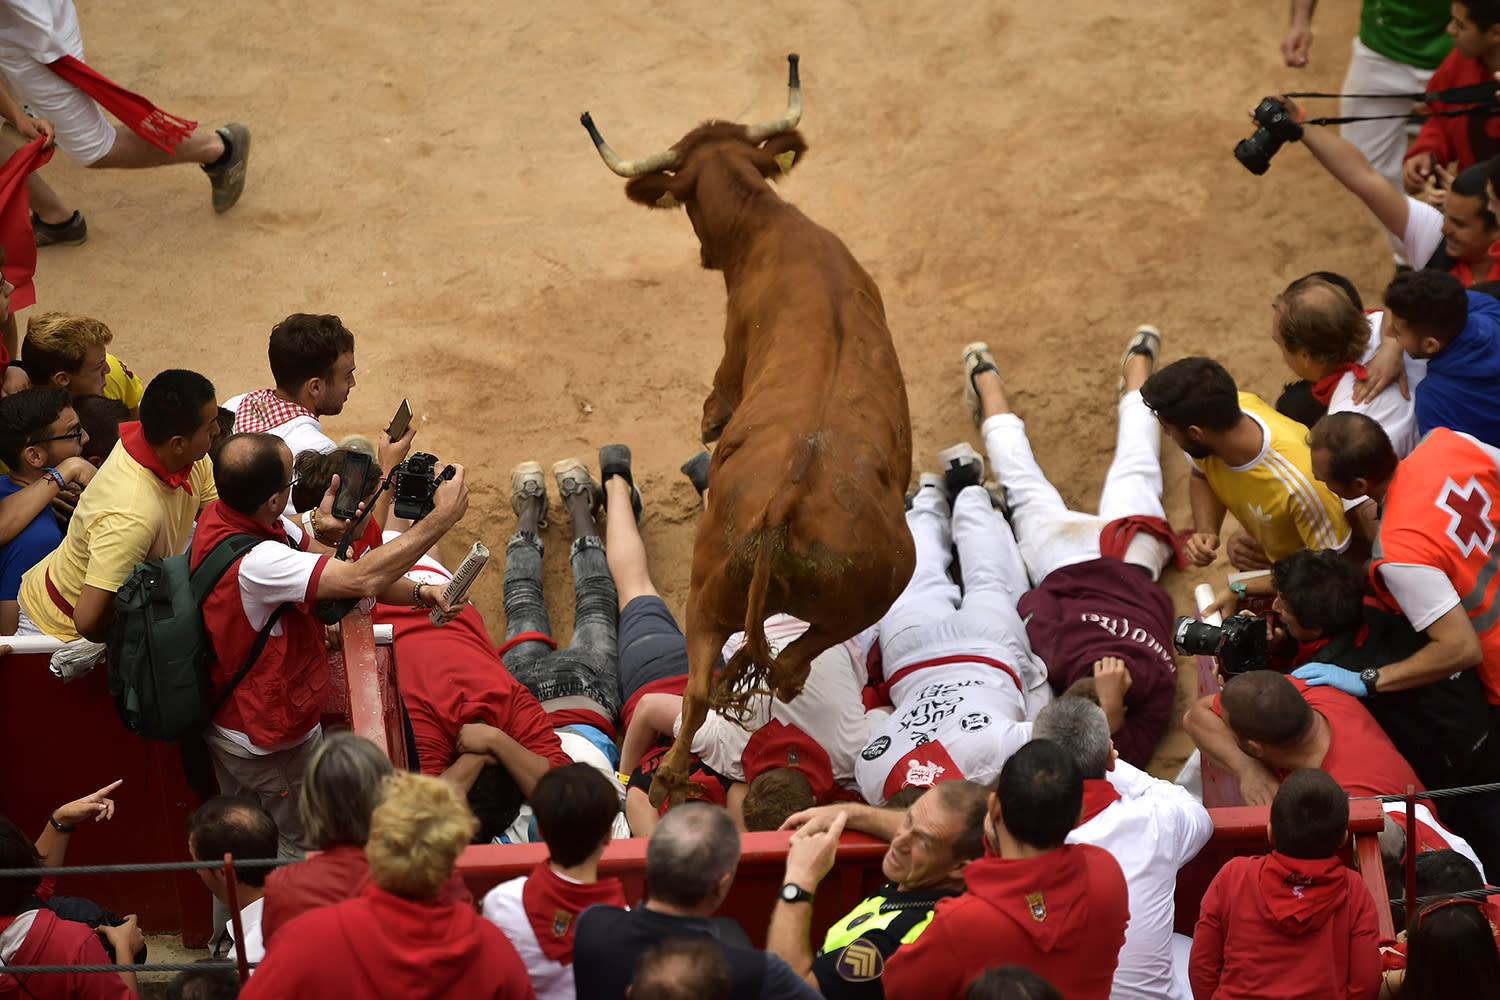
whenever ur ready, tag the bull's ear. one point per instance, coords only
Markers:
(786, 149)
(653, 189)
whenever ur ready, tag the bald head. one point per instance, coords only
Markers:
(249, 469)
(1318, 317)
(690, 852)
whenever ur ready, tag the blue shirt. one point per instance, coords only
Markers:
(1461, 390)
(28, 548)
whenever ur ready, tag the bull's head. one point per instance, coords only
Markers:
(670, 179)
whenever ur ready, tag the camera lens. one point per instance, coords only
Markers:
(1256, 152)
(1197, 638)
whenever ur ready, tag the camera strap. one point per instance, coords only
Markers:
(1414, 116)
(1474, 93)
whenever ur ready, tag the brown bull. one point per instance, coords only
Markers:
(805, 513)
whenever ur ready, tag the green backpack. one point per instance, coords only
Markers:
(159, 650)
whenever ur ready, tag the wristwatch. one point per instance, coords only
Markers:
(1371, 677)
(794, 893)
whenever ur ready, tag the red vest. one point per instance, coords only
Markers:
(1442, 509)
(281, 697)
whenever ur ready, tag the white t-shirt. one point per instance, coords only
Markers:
(255, 942)
(1153, 830)
(830, 708)
(39, 27)
(1391, 410)
(1423, 593)
(1424, 231)
(272, 574)
(551, 979)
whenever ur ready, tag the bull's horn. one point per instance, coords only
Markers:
(627, 168)
(763, 131)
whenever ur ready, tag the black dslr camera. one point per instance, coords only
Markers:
(1276, 128)
(1240, 643)
(416, 482)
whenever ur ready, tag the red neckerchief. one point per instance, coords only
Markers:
(1463, 272)
(15, 223)
(1098, 795)
(1322, 389)
(552, 904)
(134, 440)
(1115, 537)
(145, 119)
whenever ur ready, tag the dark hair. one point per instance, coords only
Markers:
(575, 808)
(1322, 590)
(306, 346)
(1490, 288)
(172, 405)
(1298, 402)
(26, 413)
(1266, 707)
(1319, 318)
(1357, 446)
(775, 794)
(315, 471)
(1333, 278)
(248, 471)
(1193, 392)
(101, 418)
(904, 797)
(1444, 871)
(1010, 982)
(1470, 181)
(1309, 815)
(17, 851)
(1433, 303)
(969, 801)
(233, 824)
(1041, 792)
(1451, 953)
(204, 984)
(681, 969)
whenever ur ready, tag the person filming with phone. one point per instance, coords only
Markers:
(263, 736)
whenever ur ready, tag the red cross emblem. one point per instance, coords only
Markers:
(1469, 522)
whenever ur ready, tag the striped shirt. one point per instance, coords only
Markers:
(1274, 496)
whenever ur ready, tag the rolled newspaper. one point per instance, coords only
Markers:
(457, 590)
(1204, 596)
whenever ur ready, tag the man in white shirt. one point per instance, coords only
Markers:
(312, 361)
(229, 824)
(1151, 827)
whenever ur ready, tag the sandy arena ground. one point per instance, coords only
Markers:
(1041, 177)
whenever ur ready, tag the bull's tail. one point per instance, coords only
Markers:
(751, 671)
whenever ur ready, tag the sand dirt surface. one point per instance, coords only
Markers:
(1041, 177)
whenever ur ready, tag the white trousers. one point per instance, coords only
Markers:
(1051, 536)
(82, 130)
(1383, 142)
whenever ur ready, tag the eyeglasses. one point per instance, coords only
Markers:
(74, 435)
(296, 478)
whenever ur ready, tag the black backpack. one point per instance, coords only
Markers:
(159, 650)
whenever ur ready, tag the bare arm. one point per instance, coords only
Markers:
(655, 714)
(1208, 517)
(1216, 740)
(639, 812)
(1298, 41)
(1349, 167)
(1453, 646)
(464, 770)
(94, 613)
(877, 821)
(810, 855)
(525, 766)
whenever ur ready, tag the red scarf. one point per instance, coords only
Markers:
(134, 440)
(1299, 889)
(262, 411)
(15, 223)
(1322, 389)
(552, 904)
(1115, 537)
(1098, 795)
(145, 119)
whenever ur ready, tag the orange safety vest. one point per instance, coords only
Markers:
(1442, 509)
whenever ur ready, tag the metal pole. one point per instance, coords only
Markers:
(232, 890)
(1411, 859)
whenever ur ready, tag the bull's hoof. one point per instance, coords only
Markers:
(712, 432)
(670, 785)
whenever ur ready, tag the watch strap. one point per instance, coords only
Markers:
(794, 893)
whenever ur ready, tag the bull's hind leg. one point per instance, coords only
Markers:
(794, 662)
(704, 640)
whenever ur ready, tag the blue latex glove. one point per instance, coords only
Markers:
(1316, 674)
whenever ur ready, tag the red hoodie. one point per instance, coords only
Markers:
(1062, 915)
(1283, 928)
(381, 945)
(41, 937)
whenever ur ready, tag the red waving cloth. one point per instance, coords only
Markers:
(1322, 389)
(145, 119)
(15, 222)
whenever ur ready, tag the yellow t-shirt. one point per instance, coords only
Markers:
(1275, 496)
(126, 516)
(122, 384)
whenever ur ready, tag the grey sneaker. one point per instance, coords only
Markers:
(573, 478)
(65, 234)
(527, 482)
(962, 466)
(977, 358)
(228, 178)
(1146, 340)
(929, 480)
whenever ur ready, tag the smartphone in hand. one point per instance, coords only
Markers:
(352, 480)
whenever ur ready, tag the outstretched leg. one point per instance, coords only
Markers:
(930, 595)
(525, 607)
(704, 641)
(987, 549)
(1133, 485)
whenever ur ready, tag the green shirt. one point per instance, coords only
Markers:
(1409, 31)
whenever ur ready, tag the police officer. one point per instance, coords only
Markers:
(931, 842)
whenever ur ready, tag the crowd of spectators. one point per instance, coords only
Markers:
(994, 728)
